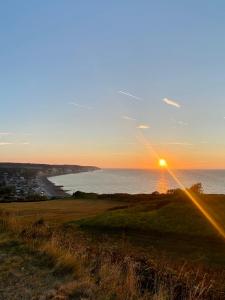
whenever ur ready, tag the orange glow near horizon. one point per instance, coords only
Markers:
(134, 161)
(133, 156)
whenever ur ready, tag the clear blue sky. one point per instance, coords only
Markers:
(63, 65)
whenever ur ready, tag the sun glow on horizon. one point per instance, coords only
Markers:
(162, 163)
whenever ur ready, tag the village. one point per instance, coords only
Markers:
(19, 187)
(21, 182)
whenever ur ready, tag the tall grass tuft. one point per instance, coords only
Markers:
(103, 273)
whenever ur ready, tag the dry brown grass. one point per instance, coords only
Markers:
(58, 211)
(102, 272)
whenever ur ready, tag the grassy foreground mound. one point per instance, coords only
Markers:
(78, 267)
(162, 249)
(173, 218)
(172, 225)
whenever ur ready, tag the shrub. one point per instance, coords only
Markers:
(196, 188)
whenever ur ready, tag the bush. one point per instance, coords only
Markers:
(196, 188)
(175, 192)
(35, 197)
(83, 195)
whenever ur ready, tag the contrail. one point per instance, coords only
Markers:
(9, 143)
(179, 143)
(143, 126)
(171, 102)
(130, 95)
(25, 143)
(179, 122)
(5, 133)
(128, 118)
(79, 105)
(5, 143)
(182, 123)
(174, 143)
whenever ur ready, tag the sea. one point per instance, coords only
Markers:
(108, 181)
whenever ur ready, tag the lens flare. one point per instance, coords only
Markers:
(194, 199)
(200, 207)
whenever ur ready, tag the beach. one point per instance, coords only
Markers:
(50, 189)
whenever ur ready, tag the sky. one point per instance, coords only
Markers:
(113, 83)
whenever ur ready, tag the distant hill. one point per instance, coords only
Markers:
(43, 166)
(44, 169)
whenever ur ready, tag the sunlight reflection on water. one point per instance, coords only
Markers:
(162, 185)
(140, 181)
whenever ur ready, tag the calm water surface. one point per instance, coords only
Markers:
(139, 181)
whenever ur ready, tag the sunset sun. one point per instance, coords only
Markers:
(162, 163)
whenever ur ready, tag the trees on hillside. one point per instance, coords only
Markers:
(196, 188)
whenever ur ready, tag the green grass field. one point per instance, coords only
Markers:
(170, 225)
(173, 218)
(163, 235)
(175, 227)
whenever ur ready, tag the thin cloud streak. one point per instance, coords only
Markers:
(171, 102)
(182, 123)
(130, 95)
(175, 144)
(6, 143)
(143, 126)
(6, 133)
(128, 118)
(179, 122)
(180, 143)
(80, 106)
(10, 143)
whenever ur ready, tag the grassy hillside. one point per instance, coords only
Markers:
(112, 247)
(45, 262)
(177, 218)
(172, 226)
(58, 211)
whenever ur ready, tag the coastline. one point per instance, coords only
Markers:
(50, 189)
(24, 181)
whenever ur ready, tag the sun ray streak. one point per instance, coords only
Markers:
(193, 199)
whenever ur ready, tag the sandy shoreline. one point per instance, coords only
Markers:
(50, 189)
